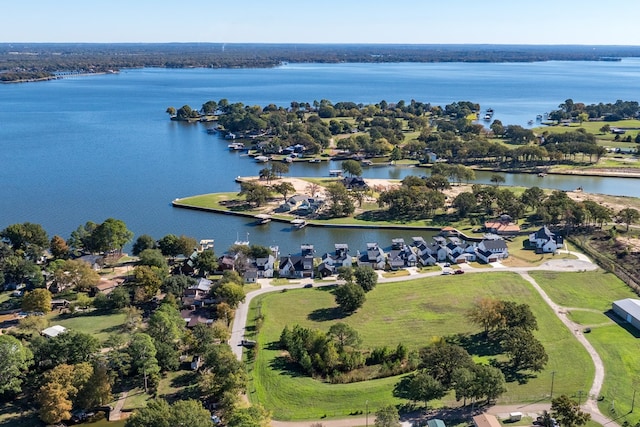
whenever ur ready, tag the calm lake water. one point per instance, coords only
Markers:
(89, 148)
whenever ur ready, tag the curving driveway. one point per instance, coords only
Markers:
(583, 263)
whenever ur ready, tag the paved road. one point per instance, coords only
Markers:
(582, 263)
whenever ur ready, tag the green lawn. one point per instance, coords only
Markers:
(412, 312)
(595, 290)
(617, 344)
(96, 323)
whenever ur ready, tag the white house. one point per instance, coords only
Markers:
(492, 250)
(544, 241)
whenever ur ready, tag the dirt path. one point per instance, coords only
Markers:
(580, 264)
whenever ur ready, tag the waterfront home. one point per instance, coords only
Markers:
(435, 249)
(298, 266)
(301, 204)
(502, 225)
(545, 241)
(355, 183)
(459, 251)
(264, 266)
(401, 255)
(332, 261)
(373, 257)
(492, 250)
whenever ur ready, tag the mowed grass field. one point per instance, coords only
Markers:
(414, 313)
(616, 343)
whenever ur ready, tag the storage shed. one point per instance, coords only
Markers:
(628, 309)
(486, 420)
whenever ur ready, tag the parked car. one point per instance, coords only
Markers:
(308, 285)
(446, 272)
(458, 272)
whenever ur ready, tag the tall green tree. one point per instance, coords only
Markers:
(567, 412)
(144, 241)
(15, 359)
(366, 277)
(352, 167)
(143, 357)
(387, 417)
(349, 297)
(419, 387)
(37, 300)
(629, 216)
(284, 188)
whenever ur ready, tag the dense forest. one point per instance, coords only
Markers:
(33, 61)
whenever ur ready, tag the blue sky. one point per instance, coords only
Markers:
(327, 21)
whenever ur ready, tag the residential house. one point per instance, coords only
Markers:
(459, 251)
(428, 253)
(227, 262)
(265, 266)
(95, 261)
(298, 266)
(401, 255)
(198, 295)
(545, 241)
(492, 250)
(502, 225)
(374, 257)
(195, 316)
(332, 261)
(355, 183)
(250, 275)
(301, 204)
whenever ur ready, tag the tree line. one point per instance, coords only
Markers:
(23, 61)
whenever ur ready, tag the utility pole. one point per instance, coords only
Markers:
(367, 413)
(553, 375)
(633, 400)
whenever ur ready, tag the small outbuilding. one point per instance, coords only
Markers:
(53, 331)
(629, 310)
(486, 420)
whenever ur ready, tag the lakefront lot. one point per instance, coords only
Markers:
(413, 313)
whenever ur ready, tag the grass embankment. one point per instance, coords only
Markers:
(616, 343)
(412, 312)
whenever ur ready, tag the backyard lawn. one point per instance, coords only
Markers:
(414, 313)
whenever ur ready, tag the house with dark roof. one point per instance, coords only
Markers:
(401, 255)
(492, 250)
(373, 257)
(298, 266)
(355, 183)
(545, 241)
(331, 261)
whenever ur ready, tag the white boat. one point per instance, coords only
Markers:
(298, 223)
(242, 242)
(263, 218)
